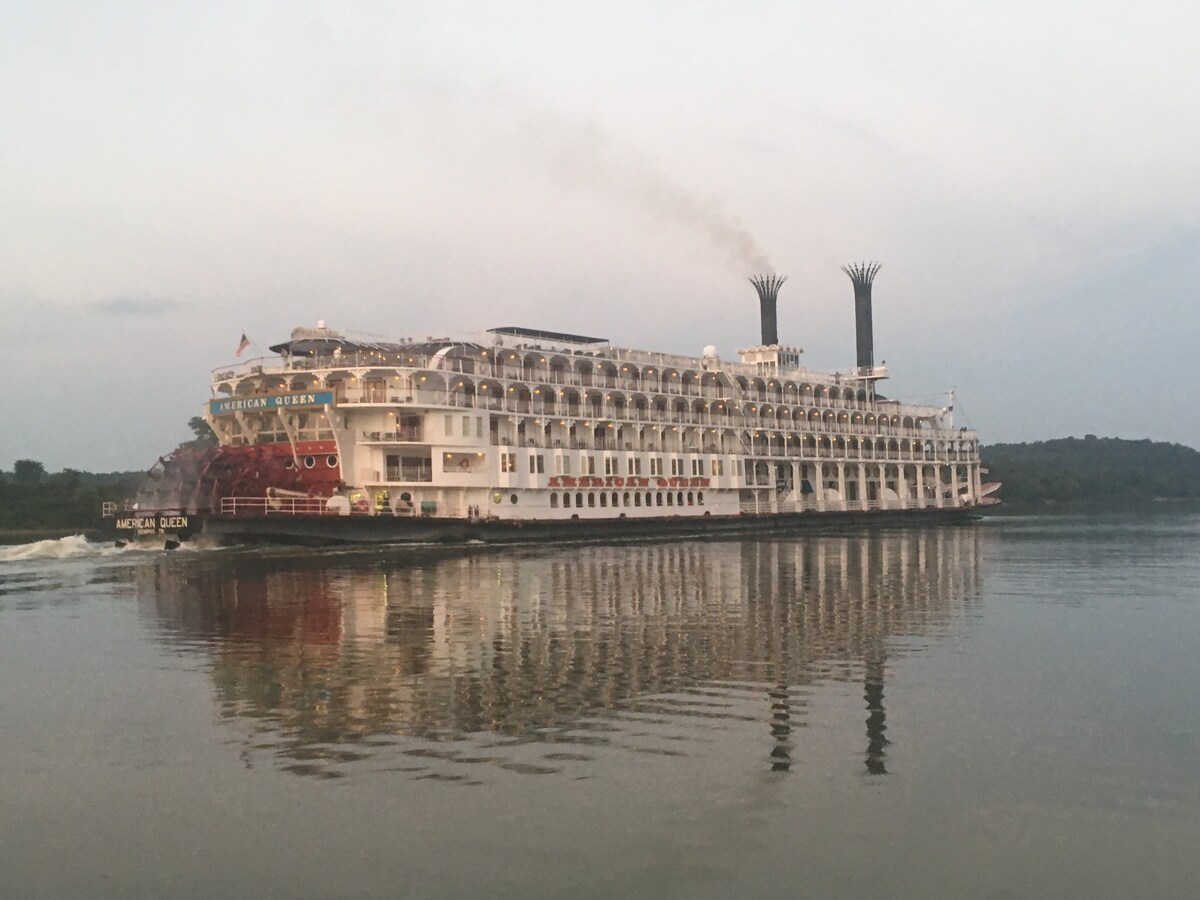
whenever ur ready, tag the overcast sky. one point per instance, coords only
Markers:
(174, 174)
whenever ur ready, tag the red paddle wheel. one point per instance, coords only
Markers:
(196, 480)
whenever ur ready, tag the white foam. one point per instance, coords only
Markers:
(72, 547)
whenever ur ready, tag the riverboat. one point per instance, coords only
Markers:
(524, 434)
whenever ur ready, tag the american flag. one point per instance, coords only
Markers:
(242, 344)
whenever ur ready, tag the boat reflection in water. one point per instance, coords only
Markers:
(339, 663)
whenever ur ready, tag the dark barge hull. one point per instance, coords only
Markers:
(331, 530)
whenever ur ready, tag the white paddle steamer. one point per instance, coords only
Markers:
(520, 433)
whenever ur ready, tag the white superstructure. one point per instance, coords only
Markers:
(524, 424)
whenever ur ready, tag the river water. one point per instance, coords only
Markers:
(1006, 709)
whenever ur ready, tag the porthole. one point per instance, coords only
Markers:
(331, 461)
(406, 497)
(512, 498)
(289, 463)
(309, 462)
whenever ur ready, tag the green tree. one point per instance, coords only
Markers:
(1093, 470)
(28, 471)
(204, 436)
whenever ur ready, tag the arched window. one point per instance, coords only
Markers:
(591, 498)
(554, 501)
(566, 501)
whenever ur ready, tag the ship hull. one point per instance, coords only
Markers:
(319, 531)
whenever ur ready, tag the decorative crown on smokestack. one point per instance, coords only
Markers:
(863, 274)
(768, 294)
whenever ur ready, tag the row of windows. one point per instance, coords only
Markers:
(612, 465)
(628, 498)
(310, 462)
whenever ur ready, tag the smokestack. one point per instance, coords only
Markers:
(862, 274)
(768, 293)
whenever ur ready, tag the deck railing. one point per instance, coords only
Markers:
(266, 506)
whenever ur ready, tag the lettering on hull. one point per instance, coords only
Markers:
(597, 481)
(155, 523)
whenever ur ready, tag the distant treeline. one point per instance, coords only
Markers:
(1092, 470)
(30, 498)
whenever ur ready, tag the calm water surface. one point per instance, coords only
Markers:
(1001, 710)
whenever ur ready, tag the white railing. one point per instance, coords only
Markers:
(285, 506)
(412, 434)
(731, 417)
(724, 390)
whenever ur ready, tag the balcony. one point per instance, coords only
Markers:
(410, 473)
(404, 434)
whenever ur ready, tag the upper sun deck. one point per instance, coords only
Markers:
(597, 381)
(524, 354)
